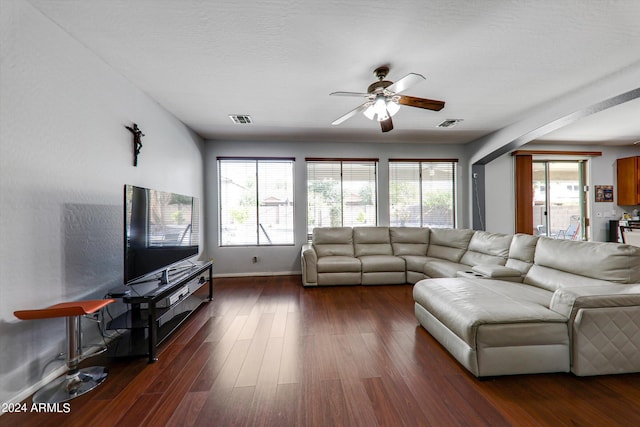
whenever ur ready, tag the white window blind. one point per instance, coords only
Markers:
(422, 193)
(341, 193)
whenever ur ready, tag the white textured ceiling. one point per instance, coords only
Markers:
(491, 61)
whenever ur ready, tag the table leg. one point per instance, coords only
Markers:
(153, 333)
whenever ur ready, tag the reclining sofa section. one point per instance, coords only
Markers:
(500, 304)
(399, 255)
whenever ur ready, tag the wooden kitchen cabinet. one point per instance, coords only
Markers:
(628, 171)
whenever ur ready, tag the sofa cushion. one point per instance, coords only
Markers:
(382, 263)
(449, 243)
(516, 264)
(409, 241)
(340, 278)
(522, 252)
(371, 241)
(463, 305)
(333, 241)
(552, 280)
(523, 247)
(604, 261)
(487, 248)
(338, 264)
(442, 268)
(384, 278)
(414, 276)
(415, 262)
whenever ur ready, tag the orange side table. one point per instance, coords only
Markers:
(77, 381)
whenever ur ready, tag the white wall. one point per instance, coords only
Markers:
(500, 192)
(65, 156)
(500, 195)
(283, 260)
(565, 110)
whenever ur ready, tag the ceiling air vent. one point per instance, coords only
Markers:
(449, 123)
(241, 119)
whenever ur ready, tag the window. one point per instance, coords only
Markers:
(422, 193)
(341, 193)
(255, 201)
(559, 198)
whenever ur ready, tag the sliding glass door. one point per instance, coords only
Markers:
(559, 199)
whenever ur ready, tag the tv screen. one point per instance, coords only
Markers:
(160, 230)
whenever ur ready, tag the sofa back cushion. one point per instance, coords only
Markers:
(372, 241)
(487, 248)
(610, 262)
(409, 240)
(552, 280)
(449, 243)
(333, 241)
(522, 252)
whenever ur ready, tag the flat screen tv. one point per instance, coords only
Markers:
(161, 229)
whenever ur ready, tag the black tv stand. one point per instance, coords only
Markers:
(159, 309)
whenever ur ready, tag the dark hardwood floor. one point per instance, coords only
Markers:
(268, 352)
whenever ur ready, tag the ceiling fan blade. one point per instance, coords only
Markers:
(406, 82)
(386, 125)
(427, 104)
(358, 94)
(351, 113)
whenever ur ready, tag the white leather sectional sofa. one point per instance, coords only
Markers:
(500, 304)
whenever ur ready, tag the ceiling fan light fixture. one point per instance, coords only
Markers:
(393, 108)
(370, 112)
(383, 99)
(381, 109)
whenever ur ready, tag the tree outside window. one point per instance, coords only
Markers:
(422, 193)
(256, 201)
(341, 193)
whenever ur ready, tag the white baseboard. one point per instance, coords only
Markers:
(264, 273)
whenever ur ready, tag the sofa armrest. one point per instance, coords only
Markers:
(496, 271)
(567, 301)
(309, 261)
(604, 327)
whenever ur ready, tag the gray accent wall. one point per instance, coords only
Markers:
(65, 156)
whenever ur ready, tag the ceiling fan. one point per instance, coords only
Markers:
(384, 99)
